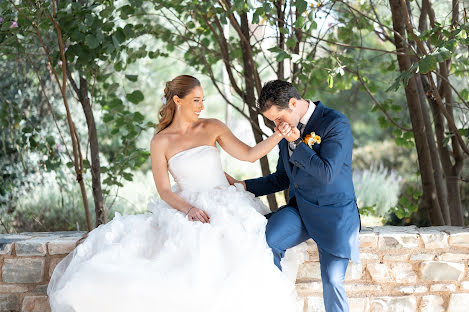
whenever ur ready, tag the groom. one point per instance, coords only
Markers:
(322, 203)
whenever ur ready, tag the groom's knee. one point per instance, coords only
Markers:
(273, 236)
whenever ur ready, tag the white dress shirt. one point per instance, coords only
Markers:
(304, 120)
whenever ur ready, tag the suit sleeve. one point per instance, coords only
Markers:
(334, 147)
(274, 182)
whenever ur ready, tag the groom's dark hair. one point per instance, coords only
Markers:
(278, 93)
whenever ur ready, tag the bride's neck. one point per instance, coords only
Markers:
(183, 126)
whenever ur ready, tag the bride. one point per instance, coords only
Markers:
(200, 248)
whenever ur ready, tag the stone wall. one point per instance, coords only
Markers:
(401, 269)
(27, 261)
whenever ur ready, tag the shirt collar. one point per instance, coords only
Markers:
(304, 120)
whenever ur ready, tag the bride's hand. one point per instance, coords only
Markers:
(288, 132)
(196, 214)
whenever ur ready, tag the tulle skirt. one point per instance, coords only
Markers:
(160, 261)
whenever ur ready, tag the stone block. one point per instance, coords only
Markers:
(465, 285)
(35, 304)
(316, 304)
(443, 287)
(41, 289)
(362, 287)
(403, 272)
(394, 304)
(9, 302)
(358, 304)
(354, 271)
(309, 270)
(398, 257)
(441, 271)
(432, 303)
(308, 288)
(22, 270)
(422, 257)
(458, 303)
(397, 237)
(7, 241)
(413, 289)
(5, 288)
(379, 272)
(52, 264)
(368, 239)
(434, 238)
(454, 257)
(32, 247)
(62, 246)
(368, 256)
(459, 237)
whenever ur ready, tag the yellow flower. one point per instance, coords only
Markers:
(312, 139)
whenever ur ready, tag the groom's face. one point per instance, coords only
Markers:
(279, 115)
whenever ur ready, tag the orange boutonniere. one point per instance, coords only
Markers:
(312, 139)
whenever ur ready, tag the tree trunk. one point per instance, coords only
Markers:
(281, 40)
(429, 202)
(100, 212)
(251, 101)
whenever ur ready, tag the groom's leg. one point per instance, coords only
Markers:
(333, 274)
(284, 230)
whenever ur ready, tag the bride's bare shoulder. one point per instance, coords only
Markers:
(159, 142)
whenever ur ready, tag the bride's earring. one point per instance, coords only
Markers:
(179, 106)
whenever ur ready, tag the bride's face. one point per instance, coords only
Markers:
(192, 104)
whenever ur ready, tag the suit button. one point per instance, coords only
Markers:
(296, 186)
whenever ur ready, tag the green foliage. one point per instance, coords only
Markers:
(96, 35)
(377, 190)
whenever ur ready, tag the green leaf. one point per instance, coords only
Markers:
(299, 22)
(132, 77)
(138, 117)
(91, 41)
(127, 176)
(397, 132)
(108, 117)
(291, 42)
(301, 5)
(135, 97)
(442, 54)
(330, 81)
(408, 135)
(427, 64)
(396, 108)
(383, 123)
(284, 31)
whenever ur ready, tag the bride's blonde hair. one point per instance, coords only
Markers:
(180, 86)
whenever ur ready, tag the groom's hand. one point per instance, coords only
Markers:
(289, 133)
(232, 180)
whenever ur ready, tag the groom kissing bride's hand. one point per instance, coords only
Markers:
(318, 175)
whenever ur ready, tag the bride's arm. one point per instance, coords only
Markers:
(159, 168)
(238, 149)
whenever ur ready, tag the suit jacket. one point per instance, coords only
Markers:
(320, 183)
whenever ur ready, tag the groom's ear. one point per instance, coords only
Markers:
(292, 103)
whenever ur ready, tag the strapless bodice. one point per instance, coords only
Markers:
(197, 169)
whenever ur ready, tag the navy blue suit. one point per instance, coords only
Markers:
(322, 203)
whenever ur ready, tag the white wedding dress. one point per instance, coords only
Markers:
(160, 261)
